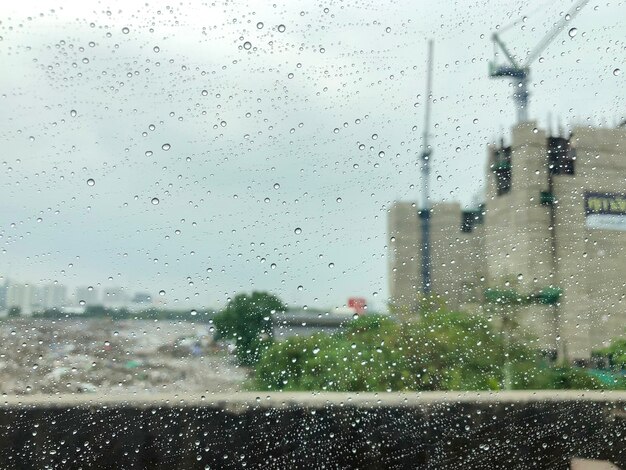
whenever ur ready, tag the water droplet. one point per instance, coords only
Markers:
(247, 45)
(223, 123)
(331, 265)
(73, 113)
(90, 182)
(161, 292)
(300, 287)
(388, 29)
(339, 199)
(316, 351)
(85, 60)
(281, 28)
(520, 277)
(572, 32)
(149, 153)
(205, 92)
(439, 178)
(152, 127)
(125, 30)
(166, 147)
(374, 136)
(155, 201)
(156, 49)
(276, 186)
(616, 72)
(194, 312)
(297, 231)
(259, 25)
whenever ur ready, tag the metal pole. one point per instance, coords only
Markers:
(424, 213)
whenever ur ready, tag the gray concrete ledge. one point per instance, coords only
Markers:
(308, 399)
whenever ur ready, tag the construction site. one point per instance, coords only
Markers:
(550, 233)
(41, 356)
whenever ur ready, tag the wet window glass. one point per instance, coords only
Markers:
(348, 234)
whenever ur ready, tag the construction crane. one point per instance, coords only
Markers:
(424, 213)
(519, 72)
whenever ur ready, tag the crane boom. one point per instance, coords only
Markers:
(520, 73)
(553, 33)
(508, 55)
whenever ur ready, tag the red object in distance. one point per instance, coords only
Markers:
(358, 304)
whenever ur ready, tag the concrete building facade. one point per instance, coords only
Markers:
(554, 218)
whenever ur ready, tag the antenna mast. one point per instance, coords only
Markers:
(424, 213)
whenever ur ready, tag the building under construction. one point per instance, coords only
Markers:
(554, 219)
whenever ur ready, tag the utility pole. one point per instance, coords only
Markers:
(424, 212)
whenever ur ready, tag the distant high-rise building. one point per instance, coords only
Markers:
(115, 297)
(22, 296)
(87, 296)
(52, 296)
(142, 298)
(3, 294)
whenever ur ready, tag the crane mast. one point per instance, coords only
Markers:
(520, 72)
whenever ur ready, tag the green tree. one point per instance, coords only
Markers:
(248, 320)
(563, 378)
(615, 353)
(15, 311)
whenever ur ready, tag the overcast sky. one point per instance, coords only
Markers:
(273, 136)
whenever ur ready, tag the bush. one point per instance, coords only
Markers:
(442, 351)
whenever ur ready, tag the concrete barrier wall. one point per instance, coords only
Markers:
(367, 431)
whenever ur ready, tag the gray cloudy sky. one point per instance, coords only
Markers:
(264, 129)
